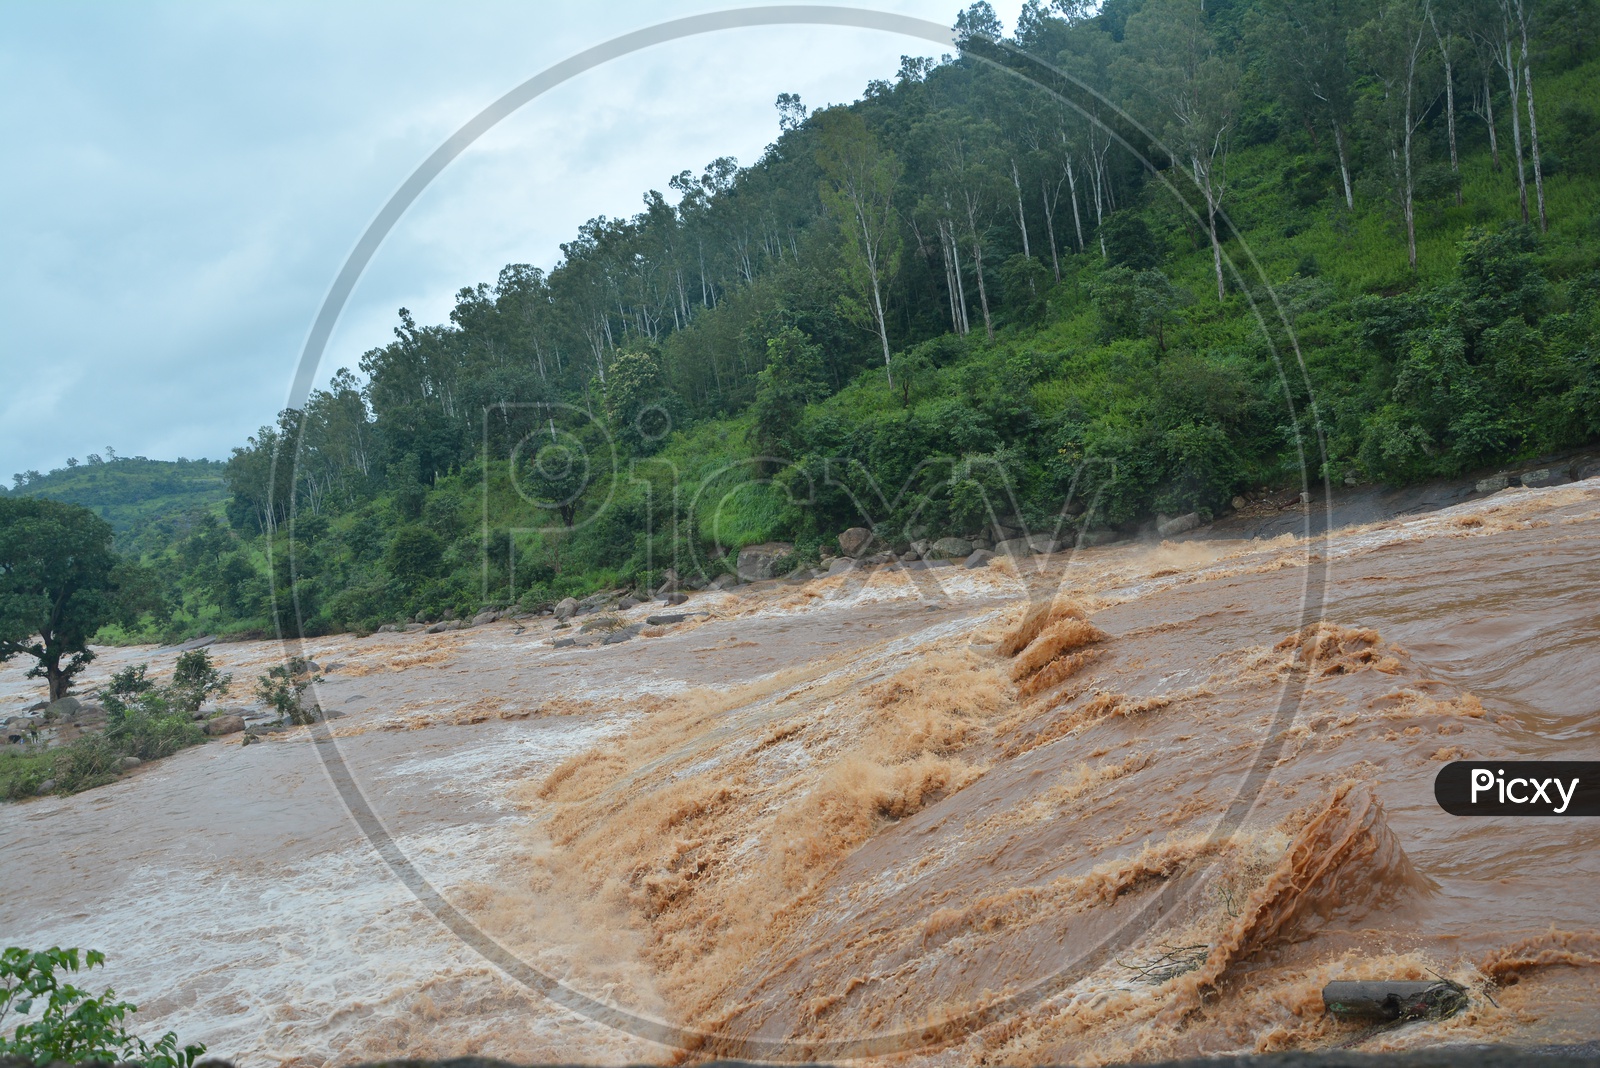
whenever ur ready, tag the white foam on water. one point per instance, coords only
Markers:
(328, 958)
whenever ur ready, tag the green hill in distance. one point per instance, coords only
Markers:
(129, 492)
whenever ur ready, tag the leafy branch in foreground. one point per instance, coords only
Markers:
(72, 1026)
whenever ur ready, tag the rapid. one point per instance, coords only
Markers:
(1133, 802)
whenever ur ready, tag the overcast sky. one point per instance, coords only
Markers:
(183, 182)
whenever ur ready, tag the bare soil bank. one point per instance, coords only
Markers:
(1147, 823)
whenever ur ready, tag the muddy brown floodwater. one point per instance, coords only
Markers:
(1118, 806)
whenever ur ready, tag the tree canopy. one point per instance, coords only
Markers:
(58, 586)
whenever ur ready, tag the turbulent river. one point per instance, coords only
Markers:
(1122, 804)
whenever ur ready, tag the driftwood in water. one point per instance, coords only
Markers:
(1432, 999)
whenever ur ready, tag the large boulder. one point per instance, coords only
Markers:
(854, 541)
(949, 549)
(194, 643)
(979, 558)
(1169, 528)
(724, 582)
(764, 561)
(1545, 476)
(665, 619)
(674, 598)
(1037, 543)
(567, 608)
(225, 724)
(64, 708)
(622, 634)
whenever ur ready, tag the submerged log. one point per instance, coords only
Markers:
(1432, 999)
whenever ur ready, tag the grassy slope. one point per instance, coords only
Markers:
(132, 491)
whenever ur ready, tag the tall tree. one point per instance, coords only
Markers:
(859, 177)
(1493, 27)
(1442, 18)
(1189, 90)
(968, 186)
(1392, 47)
(1516, 10)
(1477, 17)
(1302, 50)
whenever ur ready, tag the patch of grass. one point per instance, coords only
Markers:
(21, 773)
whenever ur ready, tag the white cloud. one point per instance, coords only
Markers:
(189, 179)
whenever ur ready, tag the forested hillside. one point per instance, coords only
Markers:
(147, 502)
(964, 297)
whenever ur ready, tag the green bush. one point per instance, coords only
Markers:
(283, 687)
(86, 763)
(194, 679)
(72, 1026)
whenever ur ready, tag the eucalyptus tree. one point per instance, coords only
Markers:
(1443, 19)
(1189, 91)
(1514, 12)
(858, 184)
(1301, 48)
(1497, 34)
(526, 314)
(1090, 55)
(335, 455)
(1476, 18)
(1392, 45)
(968, 185)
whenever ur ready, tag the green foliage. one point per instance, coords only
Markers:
(71, 1025)
(1025, 284)
(195, 680)
(1130, 243)
(21, 774)
(152, 723)
(415, 554)
(791, 379)
(143, 720)
(130, 492)
(283, 687)
(1136, 304)
(556, 475)
(58, 586)
(638, 406)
